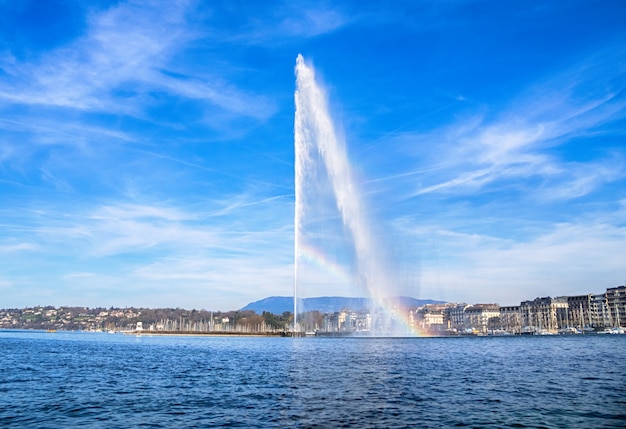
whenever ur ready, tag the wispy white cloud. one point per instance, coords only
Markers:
(568, 259)
(244, 201)
(293, 21)
(579, 179)
(312, 22)
(200, 255)
(130, 228)
(122, 44)
(79, 275)
(119, 62)
(18, 247)
(138, 212)
(124, 229)
(219, 272)
(507, 151)
(517, 143)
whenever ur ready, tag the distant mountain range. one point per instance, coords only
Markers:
(324, 304)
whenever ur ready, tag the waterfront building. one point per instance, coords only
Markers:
(429, 318)
(331, 322)
(482, 317)
(616, 304)
(454, 316)
(511, 319)
(544, 314)
(582, 311)
(350, 321)
(600, 315)
(363, 321)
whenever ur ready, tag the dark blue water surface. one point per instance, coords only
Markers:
(63, 380)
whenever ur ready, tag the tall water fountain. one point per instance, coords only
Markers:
(321, 156)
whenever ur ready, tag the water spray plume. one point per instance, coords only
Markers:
(315, 138)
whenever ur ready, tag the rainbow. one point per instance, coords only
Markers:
(407, 326)
(316, 257)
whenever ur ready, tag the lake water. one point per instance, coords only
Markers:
(64, 380)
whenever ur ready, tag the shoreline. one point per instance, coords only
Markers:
(206, 334)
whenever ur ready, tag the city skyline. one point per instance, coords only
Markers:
(147, 160)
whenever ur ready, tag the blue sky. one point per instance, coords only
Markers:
(146, 148)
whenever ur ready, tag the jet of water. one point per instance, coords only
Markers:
(315, 138)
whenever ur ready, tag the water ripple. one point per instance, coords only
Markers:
(104, 381)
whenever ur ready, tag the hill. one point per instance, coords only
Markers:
(324, 304)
